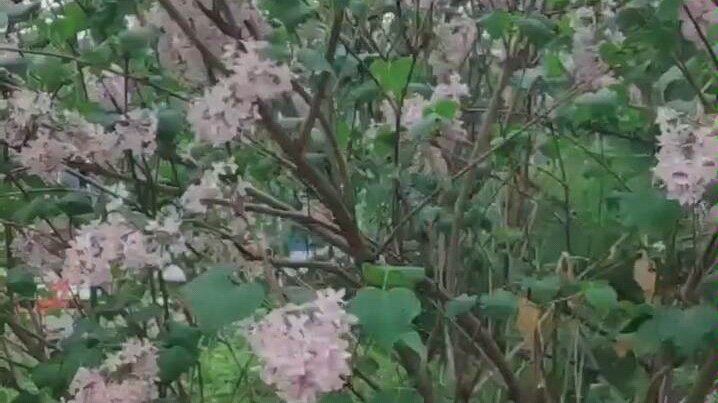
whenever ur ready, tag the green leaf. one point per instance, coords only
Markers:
(696, 328)
(601, 98)
(21, 281)
(668, 10)
(170, 123)
(72, 21)
(344, 133)
(100, 55)
(497, 23)
(179, 334)
(385, 315)
(174, 361)
(673, 85)
(424, 90)
(446, 108)
(367, 91)
(460, 305)
(313, 59)
(51, 72)
(336, 397)
(688, 329)
(291, 13)
(48, 375)
(217, 301)
(647, 209)
(27, 397)
(366, 364)
(137, 41)
(538, 29)
(500, 304)
(30, 211)
(393, 75)
(601, 296)
(386, 276)
(413, 341)
(75, 203)
(553, 67)
(542, 290)
(77, 355)
(397, 395)
(623, 373)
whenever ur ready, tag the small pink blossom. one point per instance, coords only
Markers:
(227, 109)
(108, 384)
(304, 348)
(687, 161)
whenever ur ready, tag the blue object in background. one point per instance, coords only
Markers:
(300, 248)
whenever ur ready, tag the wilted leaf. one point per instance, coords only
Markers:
(564, 268)
(644, 272)
(527, 321)
(623, 345)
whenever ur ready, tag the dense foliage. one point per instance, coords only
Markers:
(358, 201)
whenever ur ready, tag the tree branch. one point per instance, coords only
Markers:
(483, 142)
(483, 339)
(706, 378)
(321, 185)
(315, 106)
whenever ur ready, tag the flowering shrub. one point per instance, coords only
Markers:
(496, 200)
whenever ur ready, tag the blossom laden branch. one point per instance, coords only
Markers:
(212, 60)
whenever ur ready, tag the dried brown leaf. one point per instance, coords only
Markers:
(564, 268)
(527, 321)
(644, 272)
(623, 345)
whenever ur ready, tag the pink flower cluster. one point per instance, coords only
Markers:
(589, 71)
(178, 52)
(44, 138)
(705, 14)
(108, 90)
(455, 41)
(304, 348)
(227, 109)
(135, 366)
(98, 247)
(687, 157)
